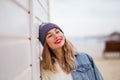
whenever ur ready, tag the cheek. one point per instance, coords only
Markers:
(50, 42)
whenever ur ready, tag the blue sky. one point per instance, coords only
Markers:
(86, 17)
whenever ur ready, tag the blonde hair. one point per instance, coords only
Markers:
(48, 62)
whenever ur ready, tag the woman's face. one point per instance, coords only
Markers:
(55, 39)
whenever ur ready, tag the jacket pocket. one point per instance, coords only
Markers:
(83, 72)
(83, 68)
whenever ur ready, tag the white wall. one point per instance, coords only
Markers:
(19, 45)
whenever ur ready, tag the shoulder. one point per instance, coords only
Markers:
(82, 54)
(83, 57)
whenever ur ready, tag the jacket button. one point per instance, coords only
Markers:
(83, 69)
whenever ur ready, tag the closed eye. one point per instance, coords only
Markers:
(49, 35)
(57, 32)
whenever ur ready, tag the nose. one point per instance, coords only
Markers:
(56, 35)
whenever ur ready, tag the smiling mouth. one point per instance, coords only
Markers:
(58, 41)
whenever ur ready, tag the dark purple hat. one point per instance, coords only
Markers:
(44, 28)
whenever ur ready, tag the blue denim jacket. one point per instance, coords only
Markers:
(85, 69)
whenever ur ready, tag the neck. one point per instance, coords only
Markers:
(59, 54)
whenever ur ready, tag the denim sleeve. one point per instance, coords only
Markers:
(97, 73)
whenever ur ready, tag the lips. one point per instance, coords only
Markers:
(58, 41)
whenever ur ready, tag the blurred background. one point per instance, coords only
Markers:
(87, 22)
(93, 26)
(86, 18)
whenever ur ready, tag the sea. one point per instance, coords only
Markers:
(90, 45)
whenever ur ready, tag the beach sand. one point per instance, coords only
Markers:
(109, 66)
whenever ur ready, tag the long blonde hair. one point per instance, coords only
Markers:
(48, 62)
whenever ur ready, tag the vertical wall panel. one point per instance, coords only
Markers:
(14, 19)
(25, 75)
(23, 4)
(41, 10)
(19, 44)
(40, 14)
(14, 58)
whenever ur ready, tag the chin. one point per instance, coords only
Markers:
(59, 46)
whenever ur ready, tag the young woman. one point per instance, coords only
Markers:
(60, 60)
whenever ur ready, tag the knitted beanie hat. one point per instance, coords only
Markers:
(43, 30)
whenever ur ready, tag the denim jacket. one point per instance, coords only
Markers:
(85, 69)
